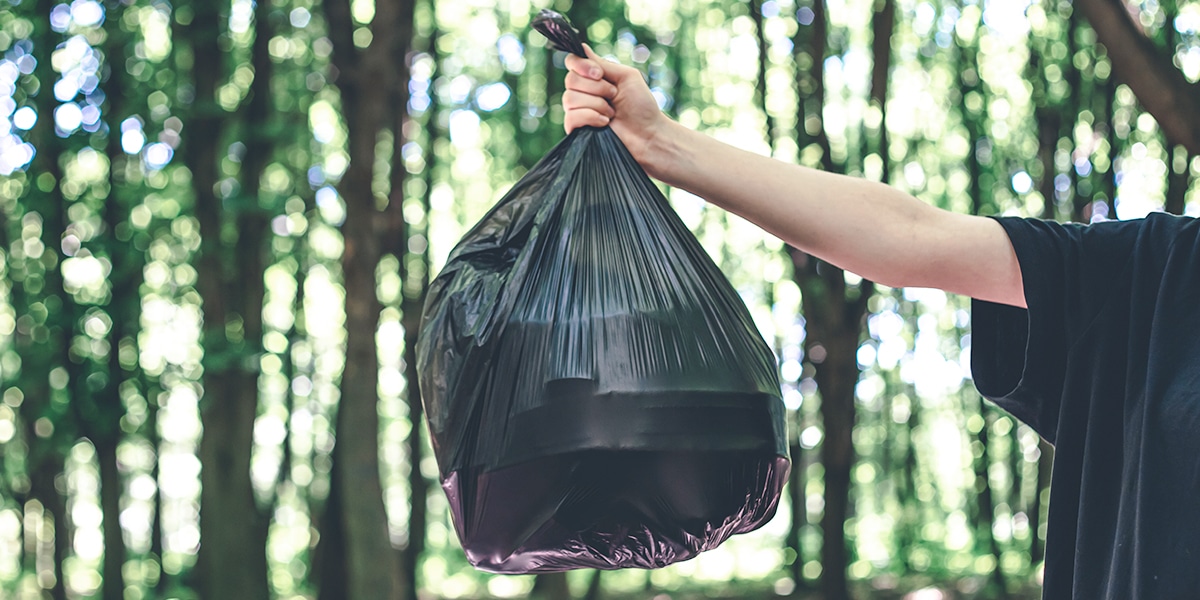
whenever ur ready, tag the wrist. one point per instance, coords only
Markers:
(662, 155)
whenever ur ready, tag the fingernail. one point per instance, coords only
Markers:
(595, 72)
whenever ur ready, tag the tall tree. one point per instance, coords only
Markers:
(411, 249)
(45, 310)
(1179, 178)
(124, 310)
(361, 562)
(983, 508)
(1049, 126)
(882, 25)
(797, 480)
(834, 315)
(760, 82)
(232, 560)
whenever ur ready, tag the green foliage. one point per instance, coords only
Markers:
(105, 351)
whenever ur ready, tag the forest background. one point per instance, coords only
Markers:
(218, 221)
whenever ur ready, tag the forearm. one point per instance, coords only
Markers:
(869, 228)
(865, 227)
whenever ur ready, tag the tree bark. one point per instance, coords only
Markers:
(1044, 466)
(834, 316)
(985, 505)
(54, 505)
(232, 559)
(417, 275)
(797, 483)
(40, 297)
(366, 80)
(156, 530)
(911, 519)
(127, 262)
(1178, 181)
(111, 491)
(817, 39)
(1016, 466)
(551, 586)
(594, 586)
(1049, 123)
(760, 83)
(882, 26)
(969, 82)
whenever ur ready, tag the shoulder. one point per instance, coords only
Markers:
(1105, 239)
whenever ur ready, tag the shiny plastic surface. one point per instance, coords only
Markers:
(596, 391)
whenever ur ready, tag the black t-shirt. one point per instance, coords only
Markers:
(1105, 364)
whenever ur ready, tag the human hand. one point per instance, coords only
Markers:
(600, 92)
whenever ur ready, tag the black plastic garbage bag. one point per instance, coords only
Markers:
(597, 393)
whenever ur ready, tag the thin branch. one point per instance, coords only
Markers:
(1147, 70)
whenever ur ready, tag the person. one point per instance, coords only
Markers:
(1088, 333)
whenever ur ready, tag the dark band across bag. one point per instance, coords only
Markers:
(596, 391)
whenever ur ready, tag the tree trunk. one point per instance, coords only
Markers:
(834, 316)
(985, 506)
(1044, 466)
(54, 505)
(1114, 146)
(417, 276)
(835, 313)
(594, 586)
(760, 83)
(551, 586)
(969, 83)
(911, 513)
(1072, 106)
(40, 297)
(232, 558)
(1179, 178)
(154, 439)
(1049, 123)
(1016, 466)
(111, 491)
(817, 40)
(882, 26)
(104, 428)
(328, 562)
(797, 482)
(366, 80)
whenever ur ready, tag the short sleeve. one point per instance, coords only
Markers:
(1069, 272)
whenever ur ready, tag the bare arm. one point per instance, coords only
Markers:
(865, 227)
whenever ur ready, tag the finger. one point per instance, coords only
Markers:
(588, 68)
(572, 100)
(582, 84)
(581, 117)
(612, 71)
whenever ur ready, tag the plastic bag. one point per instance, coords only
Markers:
(597, 393)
